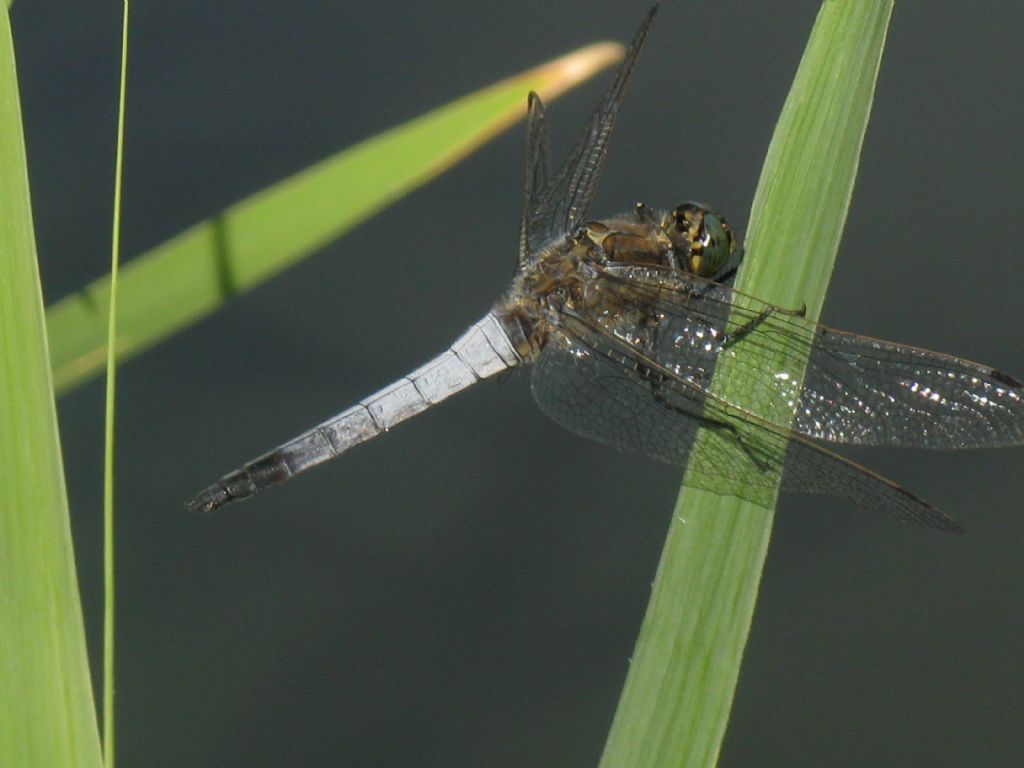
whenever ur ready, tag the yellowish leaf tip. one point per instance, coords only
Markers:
(563, 73)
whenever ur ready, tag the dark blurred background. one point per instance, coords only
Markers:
(467, 590)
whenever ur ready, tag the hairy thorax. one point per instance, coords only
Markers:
(559, 278)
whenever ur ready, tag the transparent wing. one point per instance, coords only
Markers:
(856, 390)
(564, 203)
(538, 163)
(608, 388)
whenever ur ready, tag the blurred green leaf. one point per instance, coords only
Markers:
(192, 274)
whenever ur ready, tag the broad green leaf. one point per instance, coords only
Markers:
(676, 701)
(192, 274)
(47, 717)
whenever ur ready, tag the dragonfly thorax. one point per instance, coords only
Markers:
(691, 239)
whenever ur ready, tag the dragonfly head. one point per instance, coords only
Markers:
(701, 238)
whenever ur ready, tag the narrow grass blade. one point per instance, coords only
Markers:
(47, 717)
(676, 701)
(108, 426)
(192, 274)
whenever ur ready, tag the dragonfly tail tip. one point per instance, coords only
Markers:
(210, 499)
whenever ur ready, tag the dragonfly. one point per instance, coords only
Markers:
(624, 321)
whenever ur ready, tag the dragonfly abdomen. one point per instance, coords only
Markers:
(482, 351)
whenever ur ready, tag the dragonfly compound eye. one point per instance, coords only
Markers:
(701, 238)
(718, 245)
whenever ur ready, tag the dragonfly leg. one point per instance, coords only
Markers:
(705, 421)
(734, 336)
(727, 276)
(657, 392)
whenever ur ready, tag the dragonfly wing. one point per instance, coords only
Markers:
(876, 392)
(565, 202)
(538, 164)
(611, 389)
(856, 390)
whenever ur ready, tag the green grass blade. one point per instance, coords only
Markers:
(676, 701)
(47, 716)
(192, 274)
(108, 421)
